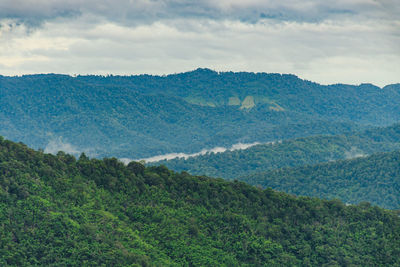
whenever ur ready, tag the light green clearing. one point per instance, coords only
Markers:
(199, 101)
(234, 101)
(276, 107)
(248, 102)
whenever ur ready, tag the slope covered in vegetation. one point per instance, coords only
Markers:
(144, 115)
(289, 153)
(56, 210)
(375, 179)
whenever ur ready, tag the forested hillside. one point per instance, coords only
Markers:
(144, 115)
(56, 210)
(279, 92)
(375, 179)
(289, 153)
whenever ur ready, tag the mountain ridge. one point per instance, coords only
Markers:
(289, 153)
(375, 179)
(56, 209)
(142, 116)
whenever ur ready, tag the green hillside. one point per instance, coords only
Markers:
(56, 210)
(375, 179)
(142, 116)
(365, 103)
(289, 153)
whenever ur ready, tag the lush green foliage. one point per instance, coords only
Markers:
(140, 116)
(289, 153)
(375, 179)
(56, 210)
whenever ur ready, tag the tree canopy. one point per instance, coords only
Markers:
(57, 210)
(141, 116)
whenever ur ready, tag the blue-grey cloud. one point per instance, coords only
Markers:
(148, 11)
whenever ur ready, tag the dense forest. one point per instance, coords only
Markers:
(289, 153)
(141, 116)
(59, 210)
(375, 179)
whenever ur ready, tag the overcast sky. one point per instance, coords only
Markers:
(327, 41)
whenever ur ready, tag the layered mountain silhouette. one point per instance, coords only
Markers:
(144, 115)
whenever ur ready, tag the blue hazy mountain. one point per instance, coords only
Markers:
(144, 115)
(289, 153)
(375, 179)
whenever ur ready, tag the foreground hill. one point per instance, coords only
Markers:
(142, 116)
(375, 179)
(56, 210)
(289, 153)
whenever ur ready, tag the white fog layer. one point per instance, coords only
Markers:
(58, 144)
(185, 156)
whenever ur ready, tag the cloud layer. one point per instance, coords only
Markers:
(148, 11)
(350, 41)
(238, 146)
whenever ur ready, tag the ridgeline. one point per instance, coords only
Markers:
(57, 210)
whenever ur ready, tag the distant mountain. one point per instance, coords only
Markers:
(365, 103)
(144, 115)
(56, 210)
(375, 179)
(289, 153)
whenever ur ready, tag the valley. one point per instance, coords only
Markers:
(289, 153)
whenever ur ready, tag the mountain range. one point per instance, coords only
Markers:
(142, 116)
(346, 167)
(374, 179)
(333, 151)
(289, 153)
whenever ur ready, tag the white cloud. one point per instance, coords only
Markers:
(238, 146)
(354, 153)
(56, 145)
(348, 41)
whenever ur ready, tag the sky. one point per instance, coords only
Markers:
(326, 41)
